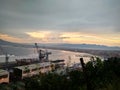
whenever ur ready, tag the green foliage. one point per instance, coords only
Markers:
(13, 86)
(97, 75)
(102, 74)
(47, 82)
(77, 80)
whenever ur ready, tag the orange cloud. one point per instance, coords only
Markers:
(76, 38)
(10, 38)
(103, 39)
(66, 37)
(44, 36)
(40, 34)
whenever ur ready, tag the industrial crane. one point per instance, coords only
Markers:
(47, 55)
(43, 55)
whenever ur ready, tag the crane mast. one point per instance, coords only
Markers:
(40, 52)
(6, 57)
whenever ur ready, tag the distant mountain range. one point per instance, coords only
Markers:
(89, 46)
(64, 45)
(3, 42)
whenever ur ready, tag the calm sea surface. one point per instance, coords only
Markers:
(68, 56)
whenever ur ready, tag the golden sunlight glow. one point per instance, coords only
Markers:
(44, 36)
(76, 37)
(70, 34)
(40, 34)
(10, 38)
(66, 37)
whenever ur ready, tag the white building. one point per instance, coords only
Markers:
(21, 72)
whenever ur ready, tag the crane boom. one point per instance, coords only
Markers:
(42, 53)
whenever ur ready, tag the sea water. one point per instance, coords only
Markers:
(21, 52)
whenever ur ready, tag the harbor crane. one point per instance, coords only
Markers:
(43, 55)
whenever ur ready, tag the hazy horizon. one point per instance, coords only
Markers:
(61, 21)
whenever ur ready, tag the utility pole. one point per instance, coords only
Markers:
(6, 61)
(85, 75)
(6, 57)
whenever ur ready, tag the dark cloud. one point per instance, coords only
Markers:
(64, 37)
(18, 16)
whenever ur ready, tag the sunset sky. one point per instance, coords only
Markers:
(61, 21)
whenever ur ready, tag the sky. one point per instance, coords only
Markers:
(61, 21)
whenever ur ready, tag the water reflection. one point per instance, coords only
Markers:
(68, 56)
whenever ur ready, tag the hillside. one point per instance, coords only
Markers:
(71, 46)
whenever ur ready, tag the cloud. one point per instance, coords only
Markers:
(10, 38)
(59, 15)
(75, 38)
(45, 36)
(40, 34)
(66, 37)
(52, 20)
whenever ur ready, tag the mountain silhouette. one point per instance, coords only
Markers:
(64, 45)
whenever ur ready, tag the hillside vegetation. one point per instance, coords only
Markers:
(100, 75)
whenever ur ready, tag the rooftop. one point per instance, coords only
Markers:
(3, 72)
